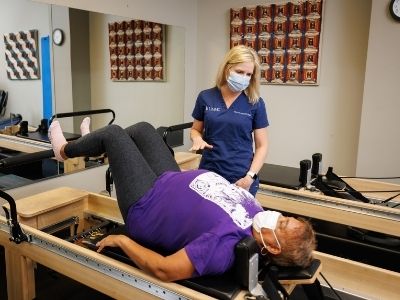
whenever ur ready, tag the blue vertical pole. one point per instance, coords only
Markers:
(46, 78)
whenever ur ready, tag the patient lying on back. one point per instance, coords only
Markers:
(194, 218)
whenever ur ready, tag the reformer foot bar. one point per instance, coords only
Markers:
(37, 212)
(24, 158)
(37, 146)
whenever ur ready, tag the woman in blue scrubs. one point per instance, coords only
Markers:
(229, 118)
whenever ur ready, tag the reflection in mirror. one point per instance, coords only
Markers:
(91, 87)
(80, 76)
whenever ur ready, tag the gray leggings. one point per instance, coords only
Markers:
(137, 156)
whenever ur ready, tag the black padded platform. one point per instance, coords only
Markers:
(8, 181)
(297, 273)
(15, 120)
(221, 287)
(282, 176)
(225, 286)
(42, 137)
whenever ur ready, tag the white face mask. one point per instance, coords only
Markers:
(237, 82)
(266, 219)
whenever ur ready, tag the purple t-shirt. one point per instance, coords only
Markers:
(197, 210)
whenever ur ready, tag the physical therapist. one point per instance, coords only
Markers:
(230, 121)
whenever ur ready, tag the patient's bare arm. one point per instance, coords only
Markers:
(167, 268)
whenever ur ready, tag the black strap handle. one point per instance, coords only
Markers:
(175, 128)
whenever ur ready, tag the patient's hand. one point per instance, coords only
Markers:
(110, 241)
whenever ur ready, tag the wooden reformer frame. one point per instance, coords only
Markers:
(86, 266)
(39, 211)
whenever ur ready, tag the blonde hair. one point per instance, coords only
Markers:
(240, 54)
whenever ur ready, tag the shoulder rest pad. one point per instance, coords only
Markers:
(296, 273)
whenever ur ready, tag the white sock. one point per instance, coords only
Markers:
(57, 139)
(85, 126)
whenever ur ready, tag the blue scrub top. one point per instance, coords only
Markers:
(229, 130)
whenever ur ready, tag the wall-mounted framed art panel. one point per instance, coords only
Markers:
(137, 51)
(21, 49)
(286, 37)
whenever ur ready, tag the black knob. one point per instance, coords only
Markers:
(305, 175)
(316, 164)
(23, 128)
(44, 126)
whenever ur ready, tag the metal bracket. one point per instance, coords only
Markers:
(16, 234)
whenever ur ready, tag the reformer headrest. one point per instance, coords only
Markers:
(244, 251)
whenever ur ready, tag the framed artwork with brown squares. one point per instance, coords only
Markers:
(286, 36)
(136, 51)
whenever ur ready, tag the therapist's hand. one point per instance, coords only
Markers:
(244, 182)
(199, 144)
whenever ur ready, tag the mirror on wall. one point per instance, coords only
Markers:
(80, 75)
(89, 84)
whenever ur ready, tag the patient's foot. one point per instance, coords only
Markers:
(85, 126)
(57, 139)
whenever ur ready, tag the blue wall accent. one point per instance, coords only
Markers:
(46, 78)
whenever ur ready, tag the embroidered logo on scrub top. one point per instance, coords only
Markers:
(229, 197)
(213, 108)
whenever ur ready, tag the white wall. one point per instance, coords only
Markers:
(62, 66)
(25, 96)
(351, 122)
(379, 147)
(160, 103)
(173, 12)
(304, 119)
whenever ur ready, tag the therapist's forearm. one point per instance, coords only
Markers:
(259, 158)
(194, 134)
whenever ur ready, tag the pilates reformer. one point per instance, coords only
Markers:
(347, 275)
(355, 231)
(13, 120)
(37, 211)
(236, 284)
(35, 142)
(41, 133)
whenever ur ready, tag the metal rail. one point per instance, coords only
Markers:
(84, 113)
(96, 265)
(348, 205)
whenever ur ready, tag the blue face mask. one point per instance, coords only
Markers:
(237, 82)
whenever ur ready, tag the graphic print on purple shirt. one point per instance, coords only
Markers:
(229, 197)
(197, 210)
